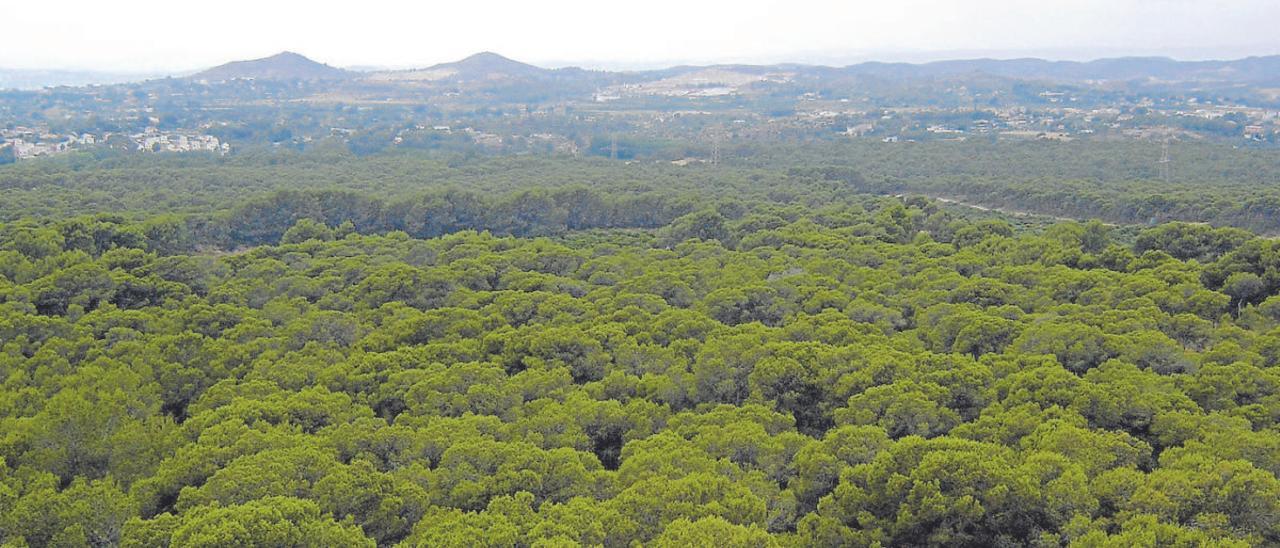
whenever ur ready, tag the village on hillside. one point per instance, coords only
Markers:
(27, 143)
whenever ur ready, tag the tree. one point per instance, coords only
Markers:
(1077, 347)
(273, 521)
(712, 531)
(707, 224)
(7, 154)
(306, 229)
(904, 408)
(1243, 287)
(937, 492)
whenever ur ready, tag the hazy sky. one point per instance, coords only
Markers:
(175, 35)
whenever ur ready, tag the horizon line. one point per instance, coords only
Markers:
(829, 59)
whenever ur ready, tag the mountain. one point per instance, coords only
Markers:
(488, 64)
(484, 66)
(281, 66)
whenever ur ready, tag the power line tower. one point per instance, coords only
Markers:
(1165, 162)
(714, 136)
(715, 148)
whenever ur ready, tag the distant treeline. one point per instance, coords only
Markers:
(1116, 182)
(525, 213)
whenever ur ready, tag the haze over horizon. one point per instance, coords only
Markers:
(157, 36)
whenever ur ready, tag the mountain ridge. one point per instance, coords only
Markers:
(487, 65)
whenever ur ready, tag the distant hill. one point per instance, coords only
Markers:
(484, 66)
(281, 66)
(488, 64)
(36, 79)
(1249, 70)
(1252, 70)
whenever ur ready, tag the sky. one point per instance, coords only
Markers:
(175, 36)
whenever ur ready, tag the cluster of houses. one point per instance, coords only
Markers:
(28, 143)
(156, 141)
(1054, 123)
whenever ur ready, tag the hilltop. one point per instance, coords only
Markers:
(281, 66)
(489, 63)
(482, 66)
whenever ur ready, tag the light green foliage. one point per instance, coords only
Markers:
(272, 521)
(817, 370)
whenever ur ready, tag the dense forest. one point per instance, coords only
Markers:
(297, 349)
(1117, 182)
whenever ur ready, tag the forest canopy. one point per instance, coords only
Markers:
(754, 358)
